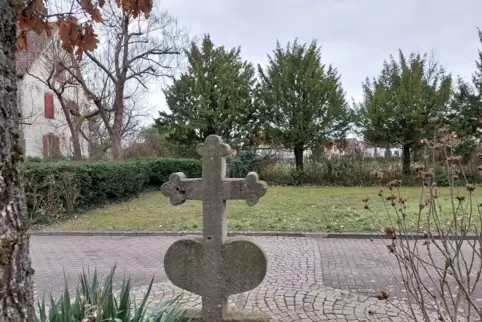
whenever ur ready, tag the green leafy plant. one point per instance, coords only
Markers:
(245, 162)
(80, 185)
(303, 99)
(34, 159)
(95, 302)
(223, 106)
(295, 177)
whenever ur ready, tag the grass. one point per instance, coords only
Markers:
(304, 209)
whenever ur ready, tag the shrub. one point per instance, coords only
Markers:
(295, 177)
(95, 301)
(159, 169)
(56, 189)
(437, 247)
(347, 171)
(35, 159)
(245, 162)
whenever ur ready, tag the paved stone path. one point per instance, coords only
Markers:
(308, 279)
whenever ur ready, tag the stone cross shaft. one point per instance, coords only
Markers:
(214, 266)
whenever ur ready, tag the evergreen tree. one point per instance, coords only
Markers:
(303, 98)
(398, 104)
(466, 110)
(214, 96)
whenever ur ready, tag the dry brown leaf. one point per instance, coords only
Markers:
(48, 30)
(76, 38)
(22, 41)
(40, 7)
(96, 15)
(78, 53)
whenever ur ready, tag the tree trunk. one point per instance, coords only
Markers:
(74, 132)
(76, 145)
(388, 152)
(16, 290)
(406, 159)
(116, 134)
(299, 157)
(116, 147)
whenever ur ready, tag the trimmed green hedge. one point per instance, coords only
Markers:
(94, 184)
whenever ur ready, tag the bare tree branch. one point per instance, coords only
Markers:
(107, 71)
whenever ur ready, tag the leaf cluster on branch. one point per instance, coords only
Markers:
(76, 30)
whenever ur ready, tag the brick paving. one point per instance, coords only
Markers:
(308, 279)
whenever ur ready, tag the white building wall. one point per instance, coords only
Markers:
(31, 101)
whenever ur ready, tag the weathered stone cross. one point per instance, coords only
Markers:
(214, 266)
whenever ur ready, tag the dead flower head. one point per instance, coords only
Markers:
(460, 198)
(419, 167)
(383, 295)
(424, 142)
(470, 187)
(426, 175)
(395, 183)
(391, 232)
(377, 174)
(391, 198)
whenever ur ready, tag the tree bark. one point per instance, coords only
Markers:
(16, 289)
(406, 159)
(121, 75)
(76, 145)
(299, 157)
(116, 135)
(74, 131)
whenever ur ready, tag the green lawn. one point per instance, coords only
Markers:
(282, 208)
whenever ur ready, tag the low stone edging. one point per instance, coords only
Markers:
(233, 234)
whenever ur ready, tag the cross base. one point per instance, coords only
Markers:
(195, 316)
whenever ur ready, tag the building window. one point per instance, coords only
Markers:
(49, 105)
(51, 146)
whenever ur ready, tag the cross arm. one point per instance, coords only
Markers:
(249, 189)
(179, 189)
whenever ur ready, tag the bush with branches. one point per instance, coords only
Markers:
(439, 257)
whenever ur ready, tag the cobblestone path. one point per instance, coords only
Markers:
(308, 279)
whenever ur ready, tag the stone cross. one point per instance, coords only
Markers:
(214, 266)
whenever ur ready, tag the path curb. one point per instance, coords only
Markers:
(233, 234)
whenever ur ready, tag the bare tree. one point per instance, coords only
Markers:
(135, 52)
(52, 74)
(98, 137)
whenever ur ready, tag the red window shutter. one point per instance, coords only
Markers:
(46, 146)
(49, 105)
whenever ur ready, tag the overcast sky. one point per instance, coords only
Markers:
(355, 35)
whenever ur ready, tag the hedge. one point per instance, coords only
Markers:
(94, 184)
